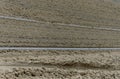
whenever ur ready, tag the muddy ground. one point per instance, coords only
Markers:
(16, 64)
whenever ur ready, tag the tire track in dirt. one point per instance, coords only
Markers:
(9, 67)
(17, 18)
(61, 24)
(66, 66)
(54, 48)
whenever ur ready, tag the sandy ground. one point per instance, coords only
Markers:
(83, 12)
(16, 64)
(61, 14)
(21, 33)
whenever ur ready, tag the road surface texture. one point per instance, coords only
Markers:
(17, 31)
(59, 64)
(86, 35)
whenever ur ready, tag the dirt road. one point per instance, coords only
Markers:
(59, 63)
(55, 48)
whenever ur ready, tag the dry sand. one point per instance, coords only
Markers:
(83, 12)
(16, 64)
(21, 33)
(93, 13)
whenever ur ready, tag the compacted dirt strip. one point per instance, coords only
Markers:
(54, 48)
